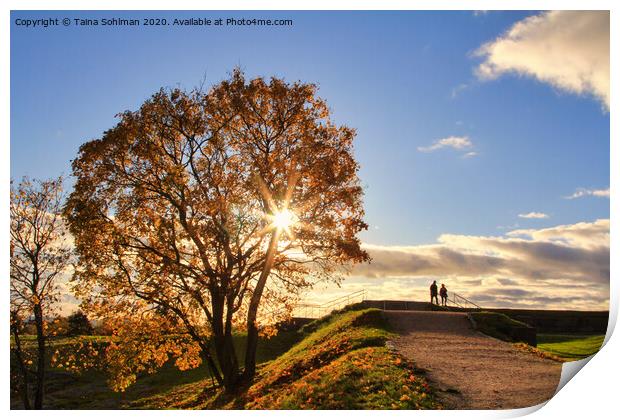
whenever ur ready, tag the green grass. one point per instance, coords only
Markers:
(312, 326)
(570, 347)
(341, 363)
(89, 390)
(338, 362)
(559, 347)
(495, 324)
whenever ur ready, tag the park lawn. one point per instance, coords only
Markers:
(338, 362)
(569, 346)
(89, 390)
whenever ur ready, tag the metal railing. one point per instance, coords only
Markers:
(310, 310)
(461, 302)
(316, 310)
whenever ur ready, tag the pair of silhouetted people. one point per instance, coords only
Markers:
(443, 292)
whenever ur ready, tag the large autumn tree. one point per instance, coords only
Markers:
(214, 209)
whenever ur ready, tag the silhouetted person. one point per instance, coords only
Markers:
(443, 292)
(434, 292)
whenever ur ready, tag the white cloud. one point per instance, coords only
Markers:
(567, 49)
(586, 192)
(587, 235)
(453, 142)
(564, 266)
(508, 227)
(458, 89)
(469, 155)
(534, 215)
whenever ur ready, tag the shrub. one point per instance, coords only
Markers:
(78, 324)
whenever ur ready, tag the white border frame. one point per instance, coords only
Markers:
(591, 394)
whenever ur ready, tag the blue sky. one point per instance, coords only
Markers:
(404, 80)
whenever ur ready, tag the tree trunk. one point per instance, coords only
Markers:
(250, 352)
(215, 373)
(22, 368)
(252, 343)
(224, 348)
(40, 375)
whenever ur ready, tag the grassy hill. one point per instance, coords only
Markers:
(341, 363)
(495, 324)
(338, 362)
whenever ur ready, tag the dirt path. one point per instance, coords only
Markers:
(471, 370)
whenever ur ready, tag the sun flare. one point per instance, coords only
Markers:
(284, 219)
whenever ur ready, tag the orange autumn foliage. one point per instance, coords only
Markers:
(172, 211)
